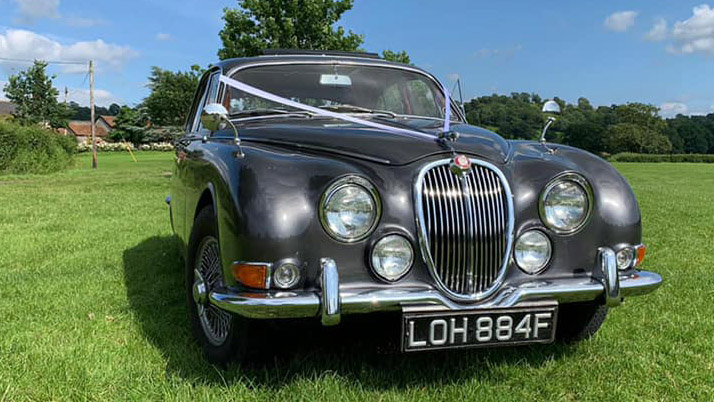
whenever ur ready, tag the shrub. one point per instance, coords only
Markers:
(32, 149)
(692, 158)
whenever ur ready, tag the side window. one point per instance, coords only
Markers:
(207, 93)
(197, 106)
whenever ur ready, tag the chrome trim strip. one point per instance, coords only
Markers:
(486, 208)
(304, 304)
(330, 281)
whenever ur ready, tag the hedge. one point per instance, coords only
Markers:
(632, 157)
(32, 149)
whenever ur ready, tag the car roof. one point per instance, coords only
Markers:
(229, 65)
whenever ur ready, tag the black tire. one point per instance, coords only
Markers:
(579, 321)
(222, 335)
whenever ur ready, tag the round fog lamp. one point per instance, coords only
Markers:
(286, 275)
(625, 257)
(392, 257)
(532, 251)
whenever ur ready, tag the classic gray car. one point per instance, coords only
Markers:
(314, 186)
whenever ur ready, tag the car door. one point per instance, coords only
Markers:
(182, 186)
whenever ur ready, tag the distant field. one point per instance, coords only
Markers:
(91, 307)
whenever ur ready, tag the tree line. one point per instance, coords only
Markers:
(632, 127)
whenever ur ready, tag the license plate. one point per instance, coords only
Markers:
(431, 330)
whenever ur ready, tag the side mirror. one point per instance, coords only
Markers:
(551, 106)
(213, 115)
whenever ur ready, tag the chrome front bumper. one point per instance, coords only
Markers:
(605, 285)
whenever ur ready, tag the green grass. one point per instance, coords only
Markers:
(92, 307)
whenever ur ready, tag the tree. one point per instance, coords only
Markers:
(130, 125)
(690, 134)
(285, 24)
(35, 96)
(171, 95)
(397, 57)
(587, 135)
(114, 109)
(631, 137)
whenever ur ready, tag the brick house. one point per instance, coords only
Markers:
(82, 130)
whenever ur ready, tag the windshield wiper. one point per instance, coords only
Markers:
(270, 112)
(358, 109)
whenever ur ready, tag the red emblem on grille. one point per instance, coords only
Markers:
(460, 164)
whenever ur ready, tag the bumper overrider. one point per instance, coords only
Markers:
(606, 285)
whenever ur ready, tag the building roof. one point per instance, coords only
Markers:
(7, 108)
(108, 119)
(84, 129)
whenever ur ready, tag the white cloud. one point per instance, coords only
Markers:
(620, 21)
(102, 97)
(695, 34)
(2, 92)
(163, 36)
(28, 45)
(32, 10)
(453, 76)
(659, 31)
(671, 109)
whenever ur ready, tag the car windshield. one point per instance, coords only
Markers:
(360, 89)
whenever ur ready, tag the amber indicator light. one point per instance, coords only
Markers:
(251, 275)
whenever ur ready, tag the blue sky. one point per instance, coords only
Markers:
(659, 52)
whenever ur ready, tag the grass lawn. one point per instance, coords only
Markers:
(92, 307)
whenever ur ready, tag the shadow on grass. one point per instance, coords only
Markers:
(362, 349)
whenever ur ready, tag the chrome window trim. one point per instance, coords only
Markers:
(338, 184)
(423, 236)
(584, 184)
(350, 62)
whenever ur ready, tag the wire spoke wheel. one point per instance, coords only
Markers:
(215, 322)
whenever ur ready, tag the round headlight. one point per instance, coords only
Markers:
(532, 251)
(392, 257)
(625, 258)
(349, 209)
(566, 203)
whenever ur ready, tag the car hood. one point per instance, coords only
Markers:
(326, 135)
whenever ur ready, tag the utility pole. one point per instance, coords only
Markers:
(91, 112)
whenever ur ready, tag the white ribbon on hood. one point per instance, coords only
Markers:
(341, 116)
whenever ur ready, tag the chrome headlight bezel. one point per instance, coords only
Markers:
(584, 185)
(407, 267)
(339, 184)
(548, 256)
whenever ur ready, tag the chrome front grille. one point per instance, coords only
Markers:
(466, 227)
